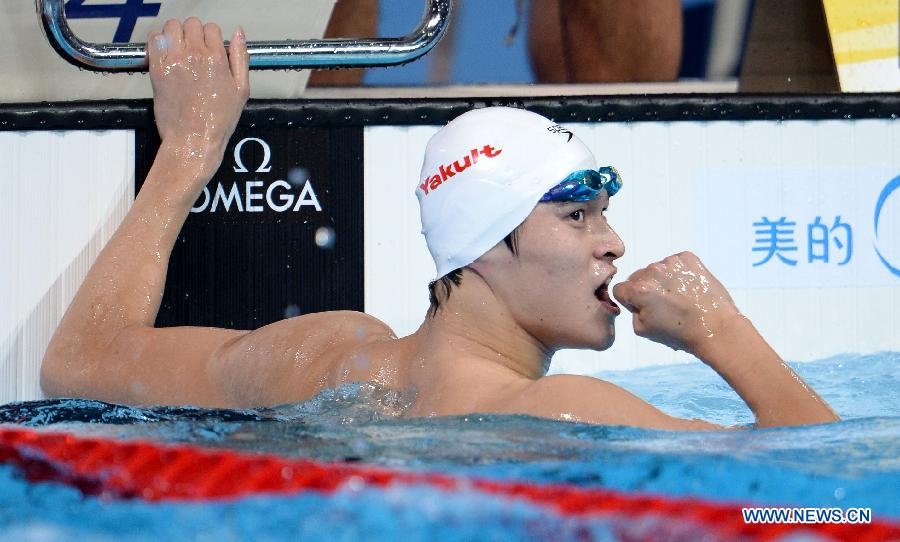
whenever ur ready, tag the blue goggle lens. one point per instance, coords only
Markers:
(585, 185)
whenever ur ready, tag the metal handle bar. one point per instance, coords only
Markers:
(264, 55)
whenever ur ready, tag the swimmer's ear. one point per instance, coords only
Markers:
(239, 59)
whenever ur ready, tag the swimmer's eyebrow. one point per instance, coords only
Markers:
(602, 201)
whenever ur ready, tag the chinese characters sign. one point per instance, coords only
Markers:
(824, 244)
(800, 228)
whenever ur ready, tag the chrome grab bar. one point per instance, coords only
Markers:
(264, 55)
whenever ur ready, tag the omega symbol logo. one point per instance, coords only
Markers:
(252, 195)
(264, 167)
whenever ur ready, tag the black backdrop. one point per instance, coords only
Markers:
(241, 269)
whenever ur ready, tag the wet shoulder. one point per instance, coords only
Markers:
(293, 359)
(588, 399)
(365, 350)
(359, 327)
(343, 328)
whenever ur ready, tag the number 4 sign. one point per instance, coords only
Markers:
(127, 14)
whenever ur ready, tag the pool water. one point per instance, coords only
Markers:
(853, 463)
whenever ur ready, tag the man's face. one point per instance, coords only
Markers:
(556, 288)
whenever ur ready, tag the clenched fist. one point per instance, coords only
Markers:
(676, 302)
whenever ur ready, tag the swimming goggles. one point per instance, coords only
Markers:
(585, 185)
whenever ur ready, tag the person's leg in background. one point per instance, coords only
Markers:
(605, 41)
(350, 19)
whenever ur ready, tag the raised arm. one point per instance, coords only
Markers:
(679, 303)
(105, 346)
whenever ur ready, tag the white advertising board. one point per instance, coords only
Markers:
(64, 194)
(799, 219)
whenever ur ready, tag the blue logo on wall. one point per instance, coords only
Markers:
(127, 13)
(889, 189)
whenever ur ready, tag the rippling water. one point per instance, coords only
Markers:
(852, 463)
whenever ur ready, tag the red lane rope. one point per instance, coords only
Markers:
(134, 469)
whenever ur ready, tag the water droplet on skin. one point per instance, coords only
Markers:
(325, 237)
(291, 311)
(361, 362)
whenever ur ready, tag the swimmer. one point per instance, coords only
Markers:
(513, 209)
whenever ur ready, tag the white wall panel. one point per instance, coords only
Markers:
(396, 274)
(696, 186)
(64, 193)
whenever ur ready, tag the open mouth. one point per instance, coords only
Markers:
(602, 294)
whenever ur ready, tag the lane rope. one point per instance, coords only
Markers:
(155, 472)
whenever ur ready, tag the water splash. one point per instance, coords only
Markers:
(292, 311)
(325, 238)
(298, 175)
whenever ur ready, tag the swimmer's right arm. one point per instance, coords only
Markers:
(106, 347)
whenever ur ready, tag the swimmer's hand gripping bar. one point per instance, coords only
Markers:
(264, 55)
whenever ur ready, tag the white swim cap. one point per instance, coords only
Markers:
(484, 173)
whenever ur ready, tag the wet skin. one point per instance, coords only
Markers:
(486, 349)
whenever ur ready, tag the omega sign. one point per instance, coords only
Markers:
(252, 196)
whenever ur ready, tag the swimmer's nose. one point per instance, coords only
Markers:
(610, 246)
